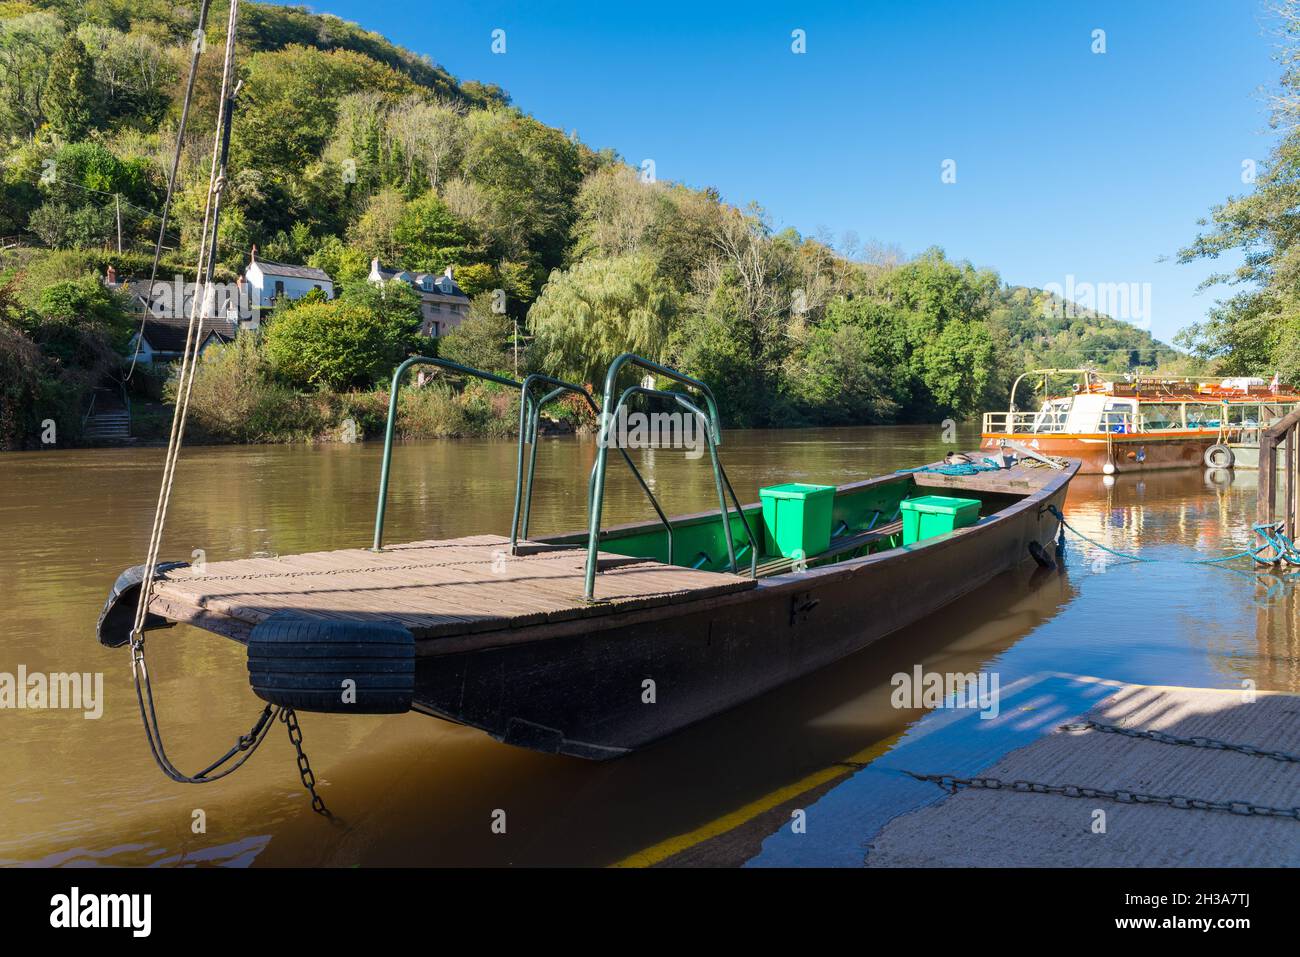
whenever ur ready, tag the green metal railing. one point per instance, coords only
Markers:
(713, 436)
(381, 508)
(530, 411)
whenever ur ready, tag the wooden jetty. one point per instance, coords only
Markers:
(1279, 447)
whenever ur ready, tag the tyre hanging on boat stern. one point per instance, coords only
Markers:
(1219, 456)
(340, 667)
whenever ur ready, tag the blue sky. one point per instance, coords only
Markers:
(1068, 162)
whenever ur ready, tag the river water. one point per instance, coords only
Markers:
(412, 790)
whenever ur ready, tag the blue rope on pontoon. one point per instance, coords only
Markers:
(957, 468)
(1272, 535)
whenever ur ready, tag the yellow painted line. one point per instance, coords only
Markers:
(743, 815)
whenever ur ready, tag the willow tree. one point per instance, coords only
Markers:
(586, 316)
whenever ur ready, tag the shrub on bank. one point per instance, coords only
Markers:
(235, 399)
(344, 343)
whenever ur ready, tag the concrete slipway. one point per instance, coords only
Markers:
(884, 817)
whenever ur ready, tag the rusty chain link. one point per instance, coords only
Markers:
(290, 719)
(1195, 742)
(952, 783)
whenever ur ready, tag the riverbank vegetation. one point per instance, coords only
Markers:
(346, 148)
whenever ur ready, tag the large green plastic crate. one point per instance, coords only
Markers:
(797, 518)
(932, 515)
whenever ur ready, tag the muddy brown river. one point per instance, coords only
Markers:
(408, 790)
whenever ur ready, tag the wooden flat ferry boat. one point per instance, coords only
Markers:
(597, 642)
(1140, 423)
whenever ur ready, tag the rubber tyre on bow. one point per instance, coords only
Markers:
(339, 667)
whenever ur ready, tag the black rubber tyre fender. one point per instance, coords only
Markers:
(118, 615)
(306, 664)
(1219, 456)
(1039, 554)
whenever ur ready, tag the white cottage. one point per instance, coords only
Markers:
(442, 303)
(270, 281)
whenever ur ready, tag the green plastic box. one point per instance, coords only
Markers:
(797, 518)
(932, 515)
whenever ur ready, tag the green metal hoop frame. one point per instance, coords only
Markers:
(398, 373)
(713, 433)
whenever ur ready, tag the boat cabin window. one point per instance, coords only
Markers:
(1203, 415)
(1053, 415)
(1117, 416)
(1163, 415)
(1245, 416)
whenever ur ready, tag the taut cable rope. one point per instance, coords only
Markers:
(247, 743)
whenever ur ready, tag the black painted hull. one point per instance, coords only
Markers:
(603, 687)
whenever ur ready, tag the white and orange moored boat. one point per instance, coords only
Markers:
(1137, 423)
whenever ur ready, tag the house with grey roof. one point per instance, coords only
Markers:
(443, 305)
(163, 340)
(270, 282)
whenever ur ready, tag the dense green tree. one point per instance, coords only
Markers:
(429, 237)
(616, 211)
(838, 380)
(529, 174)
(339, 344)
(133, 72)
(483, 340)
(477, 278)
(61, 226)
(394, 302)
(716, 344)
(345, 264)
(27, 45)
(70, 90)
(1255, 331)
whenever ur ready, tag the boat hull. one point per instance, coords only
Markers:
(598, 690)
(1137, 452)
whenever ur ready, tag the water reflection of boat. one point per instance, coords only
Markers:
(598, 642)
(1141, 423)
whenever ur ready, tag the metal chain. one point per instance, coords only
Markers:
(1196, 742)
(290, 719)
(953, 783)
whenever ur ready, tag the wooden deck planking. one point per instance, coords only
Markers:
(434, 588)
(1020, 479)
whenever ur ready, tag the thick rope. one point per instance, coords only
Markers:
(188, 357)
(248, 743)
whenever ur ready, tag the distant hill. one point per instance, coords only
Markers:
(347, 148)
(1051, 332)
